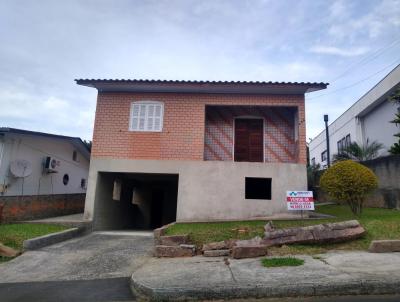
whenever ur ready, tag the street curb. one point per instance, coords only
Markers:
(42, 241)
(257, 291)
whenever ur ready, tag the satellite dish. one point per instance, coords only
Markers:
(21, 168)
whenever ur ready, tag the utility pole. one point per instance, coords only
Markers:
(328, 153)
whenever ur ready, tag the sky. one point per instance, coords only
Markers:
(46, 44)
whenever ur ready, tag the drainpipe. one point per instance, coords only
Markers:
(328, 153)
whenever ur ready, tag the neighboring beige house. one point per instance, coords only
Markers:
(41, 174)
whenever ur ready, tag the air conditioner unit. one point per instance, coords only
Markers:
(51, 164)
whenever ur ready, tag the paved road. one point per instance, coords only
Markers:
(117, 289)
(112, 289)
(331, 299)
(95, 267)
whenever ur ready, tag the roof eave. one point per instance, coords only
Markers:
(76, 141)
(201, 87)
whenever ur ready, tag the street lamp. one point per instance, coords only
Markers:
(328, 153)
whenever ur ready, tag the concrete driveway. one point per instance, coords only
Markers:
(98, 255)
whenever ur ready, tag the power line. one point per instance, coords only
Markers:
(367, 59)
(358, 82)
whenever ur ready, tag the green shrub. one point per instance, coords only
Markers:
(349, 182)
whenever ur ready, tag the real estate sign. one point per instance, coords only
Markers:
(300, 200)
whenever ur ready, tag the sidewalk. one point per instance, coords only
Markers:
(339, 273)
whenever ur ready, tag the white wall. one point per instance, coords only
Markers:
(347, 124)
(376, 125)
(34, 149)
(367, 118)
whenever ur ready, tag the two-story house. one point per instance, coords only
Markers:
(168, 151)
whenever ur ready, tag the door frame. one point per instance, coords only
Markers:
(247, 117)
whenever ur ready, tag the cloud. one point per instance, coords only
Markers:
(331, 50)
(375, 19)
(46, 44)
(45, 113)
(339, 9)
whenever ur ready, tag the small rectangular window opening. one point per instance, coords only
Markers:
(258, 188)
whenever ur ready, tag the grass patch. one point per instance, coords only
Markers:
(379, 223)
(277, 262)
(13, 235)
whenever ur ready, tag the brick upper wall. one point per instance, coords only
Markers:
(182, 137)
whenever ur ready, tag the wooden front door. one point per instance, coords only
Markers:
(249, 140)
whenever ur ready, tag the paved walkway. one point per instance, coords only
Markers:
(330, 274)
(95, 256)
(74, 220)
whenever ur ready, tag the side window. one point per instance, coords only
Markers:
(1, 149)
(75, 156)
(348, 140)
(324, 156)
(146, 116)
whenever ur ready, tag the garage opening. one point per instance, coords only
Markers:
(136, 201)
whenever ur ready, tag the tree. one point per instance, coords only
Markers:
(395, 98)
(349, 182)
(359, 153)
(395, 148)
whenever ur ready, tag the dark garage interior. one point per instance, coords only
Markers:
(136, 201)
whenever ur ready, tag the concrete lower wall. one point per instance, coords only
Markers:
(17, 208)
(387, 195)
(387, 169)
(207, 191)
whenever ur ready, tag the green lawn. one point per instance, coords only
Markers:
(379, 223)
(278, 262)
(13, 235)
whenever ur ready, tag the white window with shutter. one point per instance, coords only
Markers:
(146, 116)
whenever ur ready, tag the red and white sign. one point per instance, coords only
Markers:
(300, 200)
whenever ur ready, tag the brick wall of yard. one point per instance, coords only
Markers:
(16, 208)
(182, 137)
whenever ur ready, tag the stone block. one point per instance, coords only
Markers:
(161, 232)
(330, 232)
(384, 246)
(174, 240)
(6, 251)
(249, 242)
(174, 251)
(216, 253)
(239, 252)
(220, 245)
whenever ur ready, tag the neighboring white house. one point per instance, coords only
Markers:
(68, 176)
(368, 119)
(44, 169)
